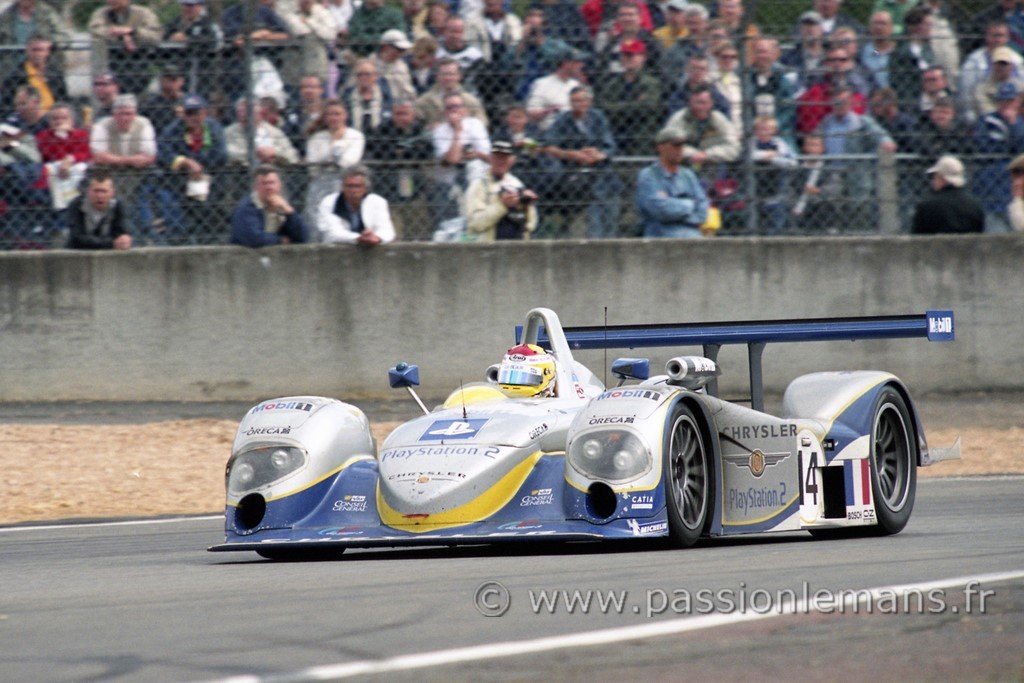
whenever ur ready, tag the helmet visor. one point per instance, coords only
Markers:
(520, 375)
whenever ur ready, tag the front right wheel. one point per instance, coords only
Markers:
(689, 478)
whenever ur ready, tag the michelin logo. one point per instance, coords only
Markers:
(646, 529)
(453, 429)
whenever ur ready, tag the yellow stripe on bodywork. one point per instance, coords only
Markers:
(348, 463)
(766, 518)
(480, 508)
(618, 489)
(830, 421)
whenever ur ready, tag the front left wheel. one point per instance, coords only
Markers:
(689, 478)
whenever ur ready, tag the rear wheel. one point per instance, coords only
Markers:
(689, 478)
(893, 469)
(893, 462)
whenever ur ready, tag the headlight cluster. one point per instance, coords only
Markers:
(261, 466)
(610, 455)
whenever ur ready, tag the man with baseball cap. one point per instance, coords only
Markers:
(499, 206)
(632, 99)
(192, 151)
(950, 208)
(392, 67)
(1004, 73)
(669, 198)
(163, 107)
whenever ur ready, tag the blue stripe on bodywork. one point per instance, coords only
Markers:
(848, 480)
(765, 525)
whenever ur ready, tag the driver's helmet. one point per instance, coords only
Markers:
(527, 370)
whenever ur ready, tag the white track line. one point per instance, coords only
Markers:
(126, 522)
(592, 638)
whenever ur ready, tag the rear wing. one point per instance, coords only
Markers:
(935, 325)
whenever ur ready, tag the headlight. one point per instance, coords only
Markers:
(262, 466)
(610, 455)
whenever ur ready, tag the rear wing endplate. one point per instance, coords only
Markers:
(935, 325)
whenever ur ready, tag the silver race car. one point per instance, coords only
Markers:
(543, 450)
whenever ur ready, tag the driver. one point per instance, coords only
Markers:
(526, 371)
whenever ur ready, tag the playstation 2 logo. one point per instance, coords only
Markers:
(444, 430)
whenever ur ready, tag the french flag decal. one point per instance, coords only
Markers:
(858, 482)
(865, 481)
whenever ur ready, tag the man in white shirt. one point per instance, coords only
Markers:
(459, 141)
(354, 215)
(125, 143)
(462, 146)
(549, 95)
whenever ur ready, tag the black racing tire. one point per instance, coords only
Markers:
(894, 455)
(893, 469)
(689, 477)
(300, 554)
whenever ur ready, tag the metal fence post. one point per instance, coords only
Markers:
(887, 192)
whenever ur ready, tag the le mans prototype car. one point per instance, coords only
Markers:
(660, 457)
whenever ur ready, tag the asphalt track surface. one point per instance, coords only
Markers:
(144, 601)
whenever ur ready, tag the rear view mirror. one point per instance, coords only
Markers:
(404, 375)
(631, 368)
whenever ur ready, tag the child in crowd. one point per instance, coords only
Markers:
(774, 160)
(820, 187)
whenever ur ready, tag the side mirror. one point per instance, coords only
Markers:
(404, 375)
(631, 368)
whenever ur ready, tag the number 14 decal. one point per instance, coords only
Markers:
(811, 479)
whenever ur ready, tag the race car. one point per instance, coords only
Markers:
(542, 450)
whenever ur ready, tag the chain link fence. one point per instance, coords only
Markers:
(221, 87)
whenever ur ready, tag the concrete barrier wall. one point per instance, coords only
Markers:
(228, 323)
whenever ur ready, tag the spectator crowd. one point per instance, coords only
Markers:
(366, 121)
